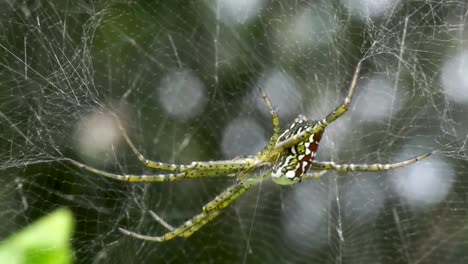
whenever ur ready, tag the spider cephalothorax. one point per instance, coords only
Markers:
(291, 155)
(294, 162)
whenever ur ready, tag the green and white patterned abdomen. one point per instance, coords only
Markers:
(295, 161)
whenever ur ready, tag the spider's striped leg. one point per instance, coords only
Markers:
(210, 211)
(340, 110)
(231, 193)
(145, 161)
(158, 219)
(314, 175)
(265, 153)
(185, 230)
(221, 166)
(161, 221)
(228, 171)
(330, 165)
(322, 124)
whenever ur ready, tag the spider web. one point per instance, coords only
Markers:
(184, 77)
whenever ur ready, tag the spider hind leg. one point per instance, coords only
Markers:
(185, 230)
(209, 212)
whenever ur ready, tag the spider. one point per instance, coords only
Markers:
(286, 159)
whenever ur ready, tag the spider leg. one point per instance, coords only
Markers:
(230, 194)
(227, 169)
(265, 153)
(239, 164)
(145, 161)
(209, 212)
(322, 124)
(330, 165)
(161, 221)
(314, 175)
(185, 230)
(340, 110)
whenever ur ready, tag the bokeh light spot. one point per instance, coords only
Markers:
(366, 9)
(375, 100)
(282, 91)
(182, 94)
(454, 77)
(242, 136)
(96, 134)
(424, 183)
(239, 11)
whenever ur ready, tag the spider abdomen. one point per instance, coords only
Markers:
(293, 162)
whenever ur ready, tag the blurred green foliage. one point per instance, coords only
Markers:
(45, 241)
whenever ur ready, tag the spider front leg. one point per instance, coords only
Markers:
(265, 153)
(340, 110)
(322, 124)
(209, 212)
(197, 169)
(330, 165)
(145, 161)
(212, 166)
(213, 169)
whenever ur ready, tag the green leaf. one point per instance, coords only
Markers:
(44, 241)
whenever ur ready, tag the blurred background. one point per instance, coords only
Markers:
(184, 78)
